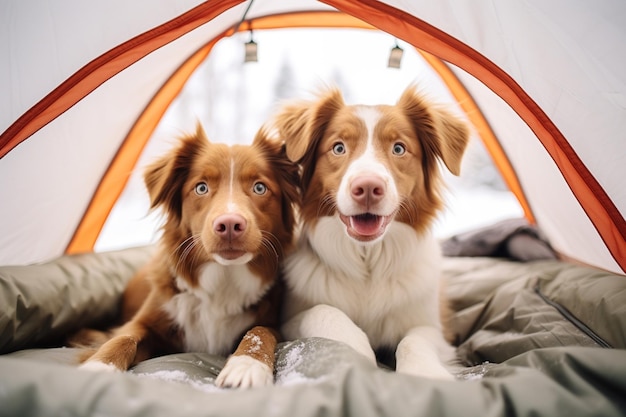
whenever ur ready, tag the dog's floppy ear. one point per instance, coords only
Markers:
(302, 124)
(442, 134)
(292, 124)
(166, 177)
(286, 170)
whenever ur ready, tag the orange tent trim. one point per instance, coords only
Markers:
(114, 180)
(492, 144)
(602, 212)
(96, 72)
(118, 174)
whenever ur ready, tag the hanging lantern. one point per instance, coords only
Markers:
(251, 49)
(395, 56)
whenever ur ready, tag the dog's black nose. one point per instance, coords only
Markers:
(229, 226)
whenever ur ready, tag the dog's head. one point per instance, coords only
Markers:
(228, 204)
(370, 165)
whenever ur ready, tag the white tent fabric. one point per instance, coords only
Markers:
(567, 57)
(542, 181)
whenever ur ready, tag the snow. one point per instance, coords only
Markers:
(255, 343)
(290, 361)
(205, 384)
(473, 374)
(286, 373)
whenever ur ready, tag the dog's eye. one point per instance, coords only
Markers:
(202, 188)
(339, 148)
(259, 188)
(398, 149)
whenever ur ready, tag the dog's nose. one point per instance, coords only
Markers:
(367, 190)
(229, 226)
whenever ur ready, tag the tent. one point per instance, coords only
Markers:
(84, 85)
(82, 95)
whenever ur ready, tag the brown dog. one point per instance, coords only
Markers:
(367, 268)
(228, 224)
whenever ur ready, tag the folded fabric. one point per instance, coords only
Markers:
(514, 239)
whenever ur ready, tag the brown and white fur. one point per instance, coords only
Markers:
(228, 223)
(367, 269)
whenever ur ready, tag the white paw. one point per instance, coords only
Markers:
(244, 372)
(427, 370)
(97, 366)
(424, 352)
(331, 323)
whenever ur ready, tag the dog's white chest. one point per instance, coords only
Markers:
(212, 315)
(386, 288)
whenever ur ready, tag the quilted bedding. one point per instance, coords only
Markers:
(543, 338)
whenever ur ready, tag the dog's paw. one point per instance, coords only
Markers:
(424, 352)
(244, 372)
(432, 371)
(97, 366)
(330, 323)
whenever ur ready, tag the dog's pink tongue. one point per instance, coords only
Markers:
(366, 224)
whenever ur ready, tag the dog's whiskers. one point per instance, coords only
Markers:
(327, 203)
(270, 242)
(183, 250)
(196, 253)
(409, 207)
(174, 256)
(270, 245)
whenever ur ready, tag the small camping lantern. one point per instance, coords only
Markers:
(251, 49)
(395, 56)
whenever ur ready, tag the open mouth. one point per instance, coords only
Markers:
(365, 227)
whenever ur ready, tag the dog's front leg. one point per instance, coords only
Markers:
(252, 364)
(115, 355)
(120, 352)
(331, 323)
(424, 351)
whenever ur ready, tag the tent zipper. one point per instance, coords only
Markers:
(571, 318)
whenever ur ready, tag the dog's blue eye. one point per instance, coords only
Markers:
(259, 188)
(398, 149)
(202, 188)
(339, 148)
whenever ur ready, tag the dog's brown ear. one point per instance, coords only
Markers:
(292, 123)
(441, 133)
(200, 133)
(286, 170)
(302, 124)
(166, 177)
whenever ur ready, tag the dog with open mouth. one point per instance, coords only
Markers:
(366, 270)
(213, 285)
